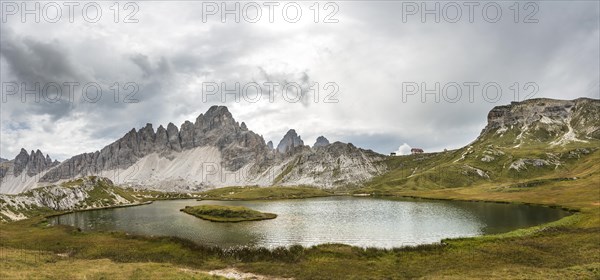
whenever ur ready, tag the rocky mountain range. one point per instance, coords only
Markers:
(216, 151)
(217, 128)
(213, 151)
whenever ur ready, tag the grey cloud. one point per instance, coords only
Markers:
(369, 54)
(33, 62)
(162, 67)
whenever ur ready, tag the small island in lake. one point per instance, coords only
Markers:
(227, 214)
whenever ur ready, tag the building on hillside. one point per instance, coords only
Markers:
(416, 151)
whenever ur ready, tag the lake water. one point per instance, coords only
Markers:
(382, 223)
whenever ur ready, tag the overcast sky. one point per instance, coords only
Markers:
(371, 56)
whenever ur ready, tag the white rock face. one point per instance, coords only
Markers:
(487, 158)
(189, 170)
(12, 184)
(468, 169)
(522, 164)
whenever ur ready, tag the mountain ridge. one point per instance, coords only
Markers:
(216, 151)
(213, 151)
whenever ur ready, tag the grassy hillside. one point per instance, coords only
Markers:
(262, 193)
(487, 166)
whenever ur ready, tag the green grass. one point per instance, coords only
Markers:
(31, 264)
(262, 193)
(75, 183)
(227, 214)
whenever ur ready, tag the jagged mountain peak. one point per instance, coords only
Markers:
(289, 141)
(25, 163)
(218, 110)
(321, 142)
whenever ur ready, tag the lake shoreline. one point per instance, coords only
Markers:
(305, 259)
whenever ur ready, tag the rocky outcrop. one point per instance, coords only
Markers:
(20, 162)
(270, 145)
(83, 193)
(161, 140)
(173, 136)
(321, 142)
(521, 164)
(544, 120)
(289, 141)
(146, 140)
(186, 134)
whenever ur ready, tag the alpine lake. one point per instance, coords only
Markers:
(357, 221)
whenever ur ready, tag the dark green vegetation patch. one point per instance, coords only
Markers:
(227, 214)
